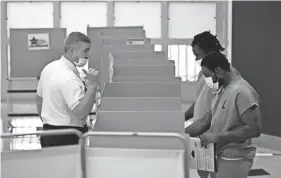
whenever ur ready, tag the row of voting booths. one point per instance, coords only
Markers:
(139, 127)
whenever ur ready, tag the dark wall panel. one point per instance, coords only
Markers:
(256, 53)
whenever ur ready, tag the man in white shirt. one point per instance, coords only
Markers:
(62, 101)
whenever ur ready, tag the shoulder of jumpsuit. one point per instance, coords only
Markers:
(236, 88)
(235, 70)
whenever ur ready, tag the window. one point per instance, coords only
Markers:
(30, 15)
(186, 66)
(132, 14)
(187, 19)
(77, 16)
(157, 48)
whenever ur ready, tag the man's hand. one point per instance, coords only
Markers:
(92, 77)
(208, 138)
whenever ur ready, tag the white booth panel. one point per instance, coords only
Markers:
(144, 70)
(140, 104)
(22, 97)
(138, 55)
(112, 32)
(140, 121)
(145, 62)
(142, 90)
(137, 163)
(56, 162)
(145, 79)
(119, 40)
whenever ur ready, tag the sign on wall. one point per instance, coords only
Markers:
(135, 41)
(38, 41)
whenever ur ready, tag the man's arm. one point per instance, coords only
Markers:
(83, 109)
(39, 101)
(251, 127)
(190, 112)
(200, 126)
(39, 98)
(79, 102)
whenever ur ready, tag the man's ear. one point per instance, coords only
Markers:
(219, 71)
(70, 50)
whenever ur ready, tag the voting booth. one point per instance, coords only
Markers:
(139, 127)
(138, 121)
(85, 162)
(135, 162)
(30, 51)
(121, 55)
(131, 103)
(33, 49)
(55, 162)
(110, 36)
(140, 104)
(106, 61)
(142, 90)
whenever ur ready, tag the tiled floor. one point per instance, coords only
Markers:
(271, 164)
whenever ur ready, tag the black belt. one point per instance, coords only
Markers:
(83, 129)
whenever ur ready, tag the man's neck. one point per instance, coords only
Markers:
(66, 56)
(229, 77)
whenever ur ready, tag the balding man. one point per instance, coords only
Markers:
(62, 101)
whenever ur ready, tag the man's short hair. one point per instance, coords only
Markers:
(73, 38)
(214, 60)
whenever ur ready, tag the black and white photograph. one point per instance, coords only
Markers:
(140, 89)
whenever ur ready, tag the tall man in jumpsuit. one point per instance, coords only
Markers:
(202, 45)
(233, 121)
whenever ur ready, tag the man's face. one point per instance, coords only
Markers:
(198, 52)
(217, 76)
(81, 50)
(208, 73)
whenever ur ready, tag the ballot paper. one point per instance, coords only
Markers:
(111, 70)
(201, 158)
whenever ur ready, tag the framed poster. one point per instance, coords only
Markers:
(38, 41)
